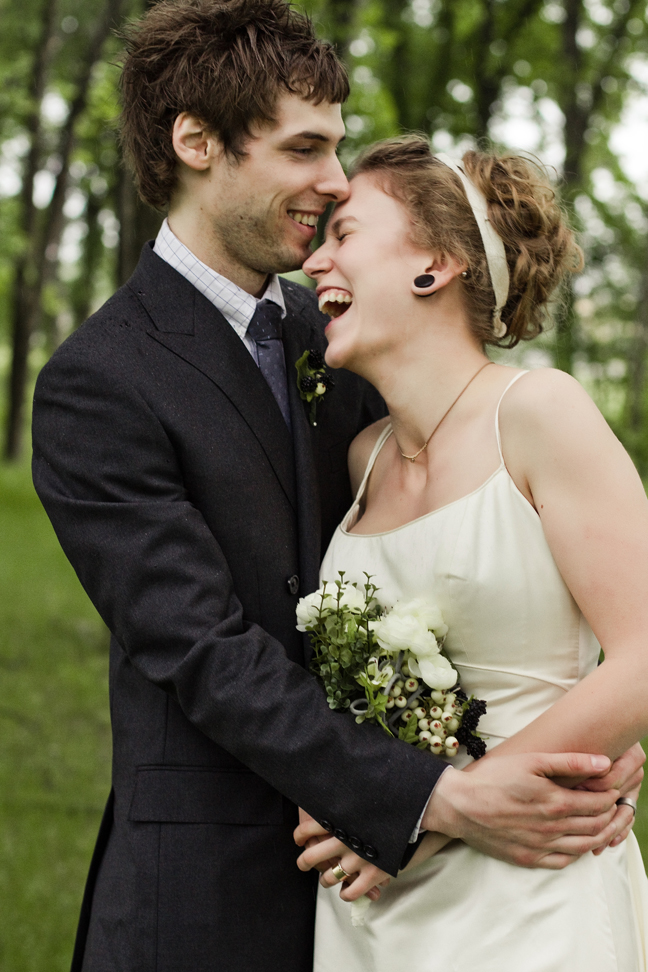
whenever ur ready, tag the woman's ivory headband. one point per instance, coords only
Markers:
(493, 245)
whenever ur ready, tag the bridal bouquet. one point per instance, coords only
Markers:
(386, 666)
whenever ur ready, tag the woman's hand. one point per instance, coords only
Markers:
(323, 852)
(625, 775)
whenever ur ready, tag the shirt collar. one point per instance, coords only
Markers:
(234, 303)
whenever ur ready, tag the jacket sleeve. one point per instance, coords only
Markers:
(109, 478)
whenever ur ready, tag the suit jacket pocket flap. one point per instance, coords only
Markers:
(172, 794)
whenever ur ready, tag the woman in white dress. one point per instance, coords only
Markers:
(504, 496)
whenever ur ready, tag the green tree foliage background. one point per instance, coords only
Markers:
(555, 77)
(559, 78)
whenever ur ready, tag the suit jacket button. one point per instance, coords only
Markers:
(327, 825)
(355, 843)
(341, 835)
(293, 584)
(370, 852)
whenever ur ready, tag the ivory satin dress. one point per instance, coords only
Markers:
(518, 640)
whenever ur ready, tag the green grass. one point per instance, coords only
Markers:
(54, 736)
(54, 732)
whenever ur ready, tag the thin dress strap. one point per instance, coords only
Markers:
(497, 411)
(382, 438)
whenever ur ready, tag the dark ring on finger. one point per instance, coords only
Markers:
(627, 802)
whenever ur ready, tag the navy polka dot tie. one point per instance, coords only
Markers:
(265, 330)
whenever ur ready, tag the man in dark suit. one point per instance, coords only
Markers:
(174, 455)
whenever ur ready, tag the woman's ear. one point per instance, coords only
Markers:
(438, 273)
(192, 142)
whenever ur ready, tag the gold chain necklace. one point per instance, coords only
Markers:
(445, 414)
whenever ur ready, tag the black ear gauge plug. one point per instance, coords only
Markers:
(422, 283)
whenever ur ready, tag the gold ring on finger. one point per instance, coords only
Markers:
(339, 873)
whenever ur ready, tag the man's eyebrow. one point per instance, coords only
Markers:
(316, 137)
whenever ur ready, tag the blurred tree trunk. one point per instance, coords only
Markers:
(41, 256)
(438, 71)
(396, 70)
(503, 25)
(576, 107)
(487, 83)
(637, 374)
(82, 290)
(340, 20)
(22, 290)
(580, 95)
(137, 224)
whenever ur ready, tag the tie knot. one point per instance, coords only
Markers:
(266, 322)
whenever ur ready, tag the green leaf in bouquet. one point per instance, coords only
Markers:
(346, 658)
(407, 732)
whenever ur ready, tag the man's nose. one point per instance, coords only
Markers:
(333, 182)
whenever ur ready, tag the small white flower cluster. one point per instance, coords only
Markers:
(417, 628)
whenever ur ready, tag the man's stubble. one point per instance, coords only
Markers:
(253, 240)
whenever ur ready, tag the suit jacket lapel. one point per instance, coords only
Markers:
(299, 335)
(184, 321)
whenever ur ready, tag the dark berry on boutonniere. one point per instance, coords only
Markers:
(308, 384)
(328, 380)
(313, 380)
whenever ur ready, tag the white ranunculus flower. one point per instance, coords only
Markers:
(426, 611)
(398, 632)
(351, 599)
(312, 607)
(309, 608)
(436, 671)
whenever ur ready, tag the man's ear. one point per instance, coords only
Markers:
(192, 142)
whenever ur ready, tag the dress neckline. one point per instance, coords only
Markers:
(382, 438)
(424, 516)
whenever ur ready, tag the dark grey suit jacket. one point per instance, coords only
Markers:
(186, 508)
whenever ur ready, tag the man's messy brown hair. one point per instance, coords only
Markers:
(225, 61)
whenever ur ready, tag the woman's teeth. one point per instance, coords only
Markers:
(334, 302)
(306, 219)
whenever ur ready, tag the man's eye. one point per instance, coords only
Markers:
(341, 237)
(303, 151)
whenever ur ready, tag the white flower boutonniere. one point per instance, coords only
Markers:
(313, 380)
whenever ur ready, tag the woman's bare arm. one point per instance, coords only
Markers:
(564, 458)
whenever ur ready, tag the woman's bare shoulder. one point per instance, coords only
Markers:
(360, 450)
(550, 424)
(548, 399)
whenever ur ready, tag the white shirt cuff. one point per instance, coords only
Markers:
(418, 830)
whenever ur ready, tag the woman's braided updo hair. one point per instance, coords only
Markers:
(522, 207)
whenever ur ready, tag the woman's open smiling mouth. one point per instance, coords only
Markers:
(334, 301)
